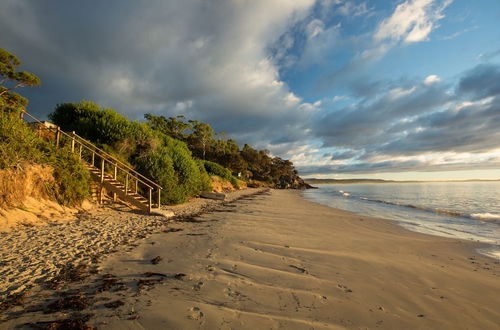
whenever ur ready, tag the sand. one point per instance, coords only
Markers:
(275, 260)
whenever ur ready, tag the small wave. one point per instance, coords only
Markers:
(485, 216)
(343, 193)
(421, 208)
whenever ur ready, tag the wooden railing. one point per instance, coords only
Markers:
(110, 167)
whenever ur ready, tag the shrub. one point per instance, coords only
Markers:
(216, 169)
(72, 178)
(100, 125)
(172, 167)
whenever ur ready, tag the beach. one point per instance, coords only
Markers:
(273, 260)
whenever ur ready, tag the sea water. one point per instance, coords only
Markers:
(465, 210)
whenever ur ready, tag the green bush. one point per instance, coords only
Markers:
(71, 177)
(100, 125)
(216, 169)
(172, 167)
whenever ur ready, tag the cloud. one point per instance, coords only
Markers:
(429, 80)
(459, 33)
(209, 61)
(412, 21)
(415, 125)
(481, 81)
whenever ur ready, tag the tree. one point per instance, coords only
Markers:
(171, 126)
(11, 79)
(201, 138)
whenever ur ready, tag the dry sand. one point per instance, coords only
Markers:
(275, 261)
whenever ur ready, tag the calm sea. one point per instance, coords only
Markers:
(466, 210)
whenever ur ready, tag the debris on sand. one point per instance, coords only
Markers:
(12, 300)
(78, 323)
(68, 273)
(114, 304)
(76, 302)
(156, 260)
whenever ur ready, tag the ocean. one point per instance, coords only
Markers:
(465, 210)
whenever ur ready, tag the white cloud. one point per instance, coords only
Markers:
(314, 28)
(431, 79)
(338, 98)
(399, 92)
(412, 21)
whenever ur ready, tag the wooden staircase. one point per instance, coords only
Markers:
(112, 175)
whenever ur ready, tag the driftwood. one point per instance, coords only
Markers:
(211, 195)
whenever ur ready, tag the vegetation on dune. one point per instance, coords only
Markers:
(165, 160)
(216, 169)
(178, 154)
(249, 163)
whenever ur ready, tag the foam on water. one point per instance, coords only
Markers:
(486, 216)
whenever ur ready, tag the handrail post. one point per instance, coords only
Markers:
(136, 184)
(93, 158)
(150, 199)
(58, 136)
(80, 153)
(102, 181)
(21, 115)
(126, 184)
(114, 177)
(159, 198)
(102, 169)
(73, 141)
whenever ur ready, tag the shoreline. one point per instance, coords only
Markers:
(476, 244)
(277, 260)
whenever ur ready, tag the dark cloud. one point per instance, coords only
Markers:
(372, 123)
(207, 60)
(397, 166)
(481, 81)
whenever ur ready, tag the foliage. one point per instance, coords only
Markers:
(72, 178)
(216, 169)
(155, 154)
(204, 144)
(100, 125)
(11, 79)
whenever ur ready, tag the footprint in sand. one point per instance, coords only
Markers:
(196, 313)
(198, 286)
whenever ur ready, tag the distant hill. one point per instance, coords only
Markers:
(313, 181)
(344, 181)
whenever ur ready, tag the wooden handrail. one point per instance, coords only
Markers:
(82, 141)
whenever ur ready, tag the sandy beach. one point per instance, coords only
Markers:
(274, 260)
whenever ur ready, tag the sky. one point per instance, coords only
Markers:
(402, 90)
